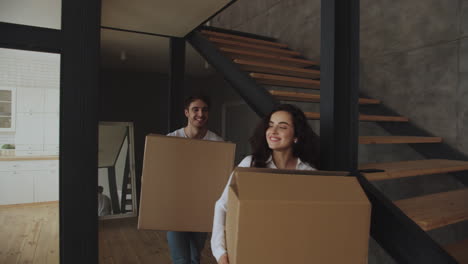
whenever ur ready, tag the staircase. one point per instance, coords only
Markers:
(272, 66)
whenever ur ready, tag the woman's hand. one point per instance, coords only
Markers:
(224, 259)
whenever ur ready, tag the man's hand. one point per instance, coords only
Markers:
(224, 259)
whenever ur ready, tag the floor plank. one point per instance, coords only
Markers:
(29, 233)
(121, 242)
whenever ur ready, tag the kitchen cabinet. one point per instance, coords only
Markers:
(51, 100)
(37, 121)
(30, 100)
(16, 187)
(7, 109)
(28, 181)
(29, 137)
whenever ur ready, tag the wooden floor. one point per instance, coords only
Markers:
(29, 233)
(120, 242)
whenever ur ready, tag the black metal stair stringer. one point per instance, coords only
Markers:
(400, 236)
(256, 97)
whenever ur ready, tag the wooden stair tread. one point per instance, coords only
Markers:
(241, 38)
(279, 80)
(459, 251)
(247, 54)
(397, 140)
(255, 66)
(315, 115)
(309, 97)
(436, 210)
(231, 43)
(394, 170)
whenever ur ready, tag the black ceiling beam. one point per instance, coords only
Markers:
(30, 38)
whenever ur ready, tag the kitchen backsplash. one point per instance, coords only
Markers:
(7, 138)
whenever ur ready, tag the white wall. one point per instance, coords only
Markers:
(40, 13)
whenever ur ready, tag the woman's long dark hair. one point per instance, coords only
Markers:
(306, 148)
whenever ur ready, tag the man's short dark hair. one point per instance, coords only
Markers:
(100, 189)
(193, 98)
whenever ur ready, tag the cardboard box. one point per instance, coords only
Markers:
(281, 217)
(182, 179)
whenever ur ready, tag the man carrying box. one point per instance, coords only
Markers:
(185, 247)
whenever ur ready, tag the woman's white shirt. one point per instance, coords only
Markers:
(218, 244)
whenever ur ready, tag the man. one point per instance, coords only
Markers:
(185, 247)
(104, 203)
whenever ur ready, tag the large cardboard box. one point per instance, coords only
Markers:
(279, 217)
(182, 179)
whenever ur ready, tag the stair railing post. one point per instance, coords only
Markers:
(339, 84)
(175, 118)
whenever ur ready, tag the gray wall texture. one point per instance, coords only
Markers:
(414, 57)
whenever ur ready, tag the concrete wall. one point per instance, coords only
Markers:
(414, 54)
(414, 57)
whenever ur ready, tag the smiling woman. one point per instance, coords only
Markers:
(284, 130)
(282, 140)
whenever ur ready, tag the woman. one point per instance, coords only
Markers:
(283, 140)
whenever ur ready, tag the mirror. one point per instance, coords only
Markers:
(116, 171)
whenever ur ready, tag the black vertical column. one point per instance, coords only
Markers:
(339, 85)
(176, 84)
(79, 83)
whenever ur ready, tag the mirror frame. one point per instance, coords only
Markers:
(131, 152)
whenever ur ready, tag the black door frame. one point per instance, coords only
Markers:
(78, 43)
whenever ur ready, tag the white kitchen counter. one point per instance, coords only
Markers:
(20, 158)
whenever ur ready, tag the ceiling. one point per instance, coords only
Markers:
(133, 51)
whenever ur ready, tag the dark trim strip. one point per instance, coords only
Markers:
(112, 178)
(15, 36)
(125, 181)
(257, 97)
(403, 239)
(239, 33)
(136, 32)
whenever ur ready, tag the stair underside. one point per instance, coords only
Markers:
(244, 39)
(266, 57)
(242, 45)
(371, 118)
(397, 140)
(436, 210)
(459, 251)
(394, 170)
(310, 97)
(279, 80)
(263, 67)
